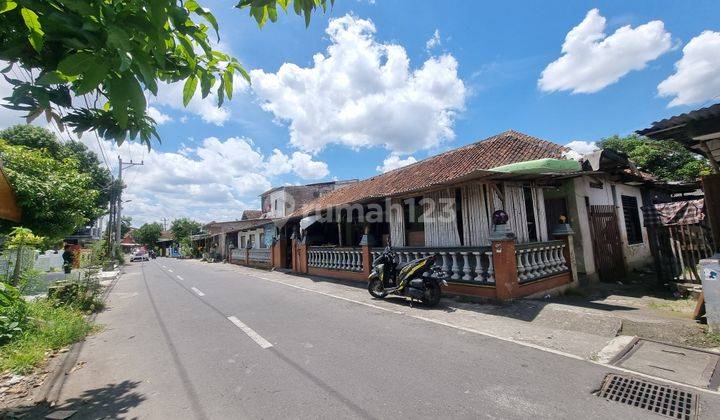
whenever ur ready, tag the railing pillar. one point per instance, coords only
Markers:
(504, 260)
(505, 265)
(564, 232)
(366, 255)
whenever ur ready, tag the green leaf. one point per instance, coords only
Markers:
(148, 74)
(50, 78)
(75, 64)
(272, 13)
(260, 14)
(118, 98)
(117, 38)
(228, 79)
(135, 93)
(221, 92)
(33, 24)
(92, 78)
(189, 89)
(206, 82)
(191, 5)
(6, 6)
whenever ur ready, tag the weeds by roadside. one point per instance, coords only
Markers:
(49, 327)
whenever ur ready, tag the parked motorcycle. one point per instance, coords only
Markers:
(418, 279)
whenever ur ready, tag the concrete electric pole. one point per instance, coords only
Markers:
(118, 206)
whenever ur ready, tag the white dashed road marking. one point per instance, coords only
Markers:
(250, 333)
(169, 270)
(180, 278)
(196, 290)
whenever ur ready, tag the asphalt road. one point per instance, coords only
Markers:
(189, 340)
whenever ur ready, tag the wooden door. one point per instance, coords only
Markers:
(554, 208)
(607, 246)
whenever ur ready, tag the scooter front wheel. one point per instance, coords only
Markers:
(432, 294)
(376, 288)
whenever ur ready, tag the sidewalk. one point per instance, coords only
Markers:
(572, 325)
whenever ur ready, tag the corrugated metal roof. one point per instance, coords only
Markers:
(682, 119)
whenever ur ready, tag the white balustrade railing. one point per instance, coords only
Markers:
(539, 260)
(347, 259)
(237, 254)
(471, 264)
(259, 255)
(254, 255)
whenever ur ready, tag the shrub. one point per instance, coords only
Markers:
(49, 327)
(13, 313)
(81, 294)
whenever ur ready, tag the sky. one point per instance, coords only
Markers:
(371, 86)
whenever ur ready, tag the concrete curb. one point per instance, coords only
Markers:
(59, 367)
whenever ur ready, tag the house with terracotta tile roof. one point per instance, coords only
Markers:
(444, 206)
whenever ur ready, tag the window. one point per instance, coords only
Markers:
(632, 219)
(242, 242)
(262, 240)
(275, 208)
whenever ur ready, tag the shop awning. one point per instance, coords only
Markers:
(540, 166)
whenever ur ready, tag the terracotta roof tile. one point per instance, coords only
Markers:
(251, 214)
(502, 149)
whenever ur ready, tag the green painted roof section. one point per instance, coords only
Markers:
(540, 166)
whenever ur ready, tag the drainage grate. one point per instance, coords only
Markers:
(660, 399)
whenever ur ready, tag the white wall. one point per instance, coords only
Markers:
(254, 233)
(281, 196)
(635, 255)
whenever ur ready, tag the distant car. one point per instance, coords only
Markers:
(139, 256)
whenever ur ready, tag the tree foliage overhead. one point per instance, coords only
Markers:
(182, 228)
(40, 138)
(86, 63)
(148, 234)
(55, 196)
(666, 159)
(262, 10)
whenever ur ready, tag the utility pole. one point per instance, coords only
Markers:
(164, 220)
(118, 217)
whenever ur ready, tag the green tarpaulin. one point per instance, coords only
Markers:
(540, 166)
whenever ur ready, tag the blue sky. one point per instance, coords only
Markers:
(461, 71)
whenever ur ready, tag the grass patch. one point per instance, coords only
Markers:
(680, 305)
(51, 328)
(713, 337)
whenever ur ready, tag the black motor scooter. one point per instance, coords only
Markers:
(419, 279)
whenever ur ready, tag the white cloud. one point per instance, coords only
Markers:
(697, 74)
(578, 148)
(393, 162)
(216, 180)
(592, 60)
(434, 41)
(157, 115)
(362, 93)
(299, 163)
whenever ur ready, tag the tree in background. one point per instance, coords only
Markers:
(34, 137)
(148, 234)
(86, 64)
(182, 228)
(125, 225)
(56, 197)
(666, 159)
